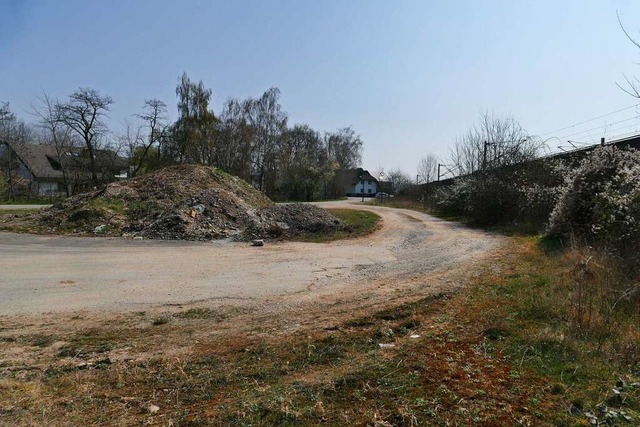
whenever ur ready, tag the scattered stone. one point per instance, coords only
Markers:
(257, 242)
(414, 336)
(99, 229)
(153, 409)
(138, 238)
(384, 345)
(185, 202)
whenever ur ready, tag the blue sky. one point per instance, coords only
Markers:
(409, 76)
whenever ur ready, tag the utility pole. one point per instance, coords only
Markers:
(484, 156)
(439, 171)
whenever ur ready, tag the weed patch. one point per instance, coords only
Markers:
(356, 223)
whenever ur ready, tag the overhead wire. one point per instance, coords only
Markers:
(589, 120)
(599, 127)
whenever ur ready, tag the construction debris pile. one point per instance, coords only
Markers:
(185, 202)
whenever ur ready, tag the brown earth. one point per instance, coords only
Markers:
(64, 292)
(185, 202)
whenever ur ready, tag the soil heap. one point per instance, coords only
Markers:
(185, 202)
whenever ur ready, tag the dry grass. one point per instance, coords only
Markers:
(440, 371)
(540, 338)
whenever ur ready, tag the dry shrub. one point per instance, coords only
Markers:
(604, 305)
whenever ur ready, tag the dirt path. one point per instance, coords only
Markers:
(64, 274)
(22, 207)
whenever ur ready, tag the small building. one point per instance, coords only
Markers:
(355, 182)
(44, 171)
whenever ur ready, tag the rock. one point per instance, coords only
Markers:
(414, 336)
(153, 409)
(198, 208)
(99, 229)
(138, 238)
(257, 242)
(384, 345)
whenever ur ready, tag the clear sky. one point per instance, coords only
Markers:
(409, 76)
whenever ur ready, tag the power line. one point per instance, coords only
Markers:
(590, 120)
(599, 127)
(635, 132)
(612, 138)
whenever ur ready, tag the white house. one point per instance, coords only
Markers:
(366, 185)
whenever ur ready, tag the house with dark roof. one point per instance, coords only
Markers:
(355, 182)
(49, 171)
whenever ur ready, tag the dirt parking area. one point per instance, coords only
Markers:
(47, 274)
(100, 331)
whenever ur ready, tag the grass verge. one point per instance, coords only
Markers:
(358, 223)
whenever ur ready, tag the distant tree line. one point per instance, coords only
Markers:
(250, 138)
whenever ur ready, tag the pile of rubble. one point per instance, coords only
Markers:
(185, 202)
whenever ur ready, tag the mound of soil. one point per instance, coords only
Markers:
(184, 202)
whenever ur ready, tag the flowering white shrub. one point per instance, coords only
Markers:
(453, 199)
(600, 203)
(537, 202)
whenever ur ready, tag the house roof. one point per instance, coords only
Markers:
(43, 161)
(37, 158)
(353, 176)
(366, 175)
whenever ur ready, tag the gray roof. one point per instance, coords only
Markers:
(44, 163)
(36, 157)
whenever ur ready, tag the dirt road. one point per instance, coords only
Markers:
(64, 274)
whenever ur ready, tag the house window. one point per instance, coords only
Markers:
(362, 190)
(369, 191)
(369, 182)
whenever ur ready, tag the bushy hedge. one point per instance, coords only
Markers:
(600, 203)
(595, 201)
(520, 194)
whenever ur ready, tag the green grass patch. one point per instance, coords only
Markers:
(357, 223)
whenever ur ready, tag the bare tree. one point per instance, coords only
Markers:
(633, 85)
(269, 122)
(84, 113)
(154, 116)
(344, 147)
(233, 151)
(492, 143)
(400, 180)
(5, 114)
(131, 141)
(427, 169)
(58, 135)
(14, 135)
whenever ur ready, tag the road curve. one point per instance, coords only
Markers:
(64, 274)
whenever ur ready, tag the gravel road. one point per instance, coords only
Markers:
(22, 207)
(41, 274)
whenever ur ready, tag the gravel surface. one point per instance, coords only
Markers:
(22, 207)
(41, 274)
